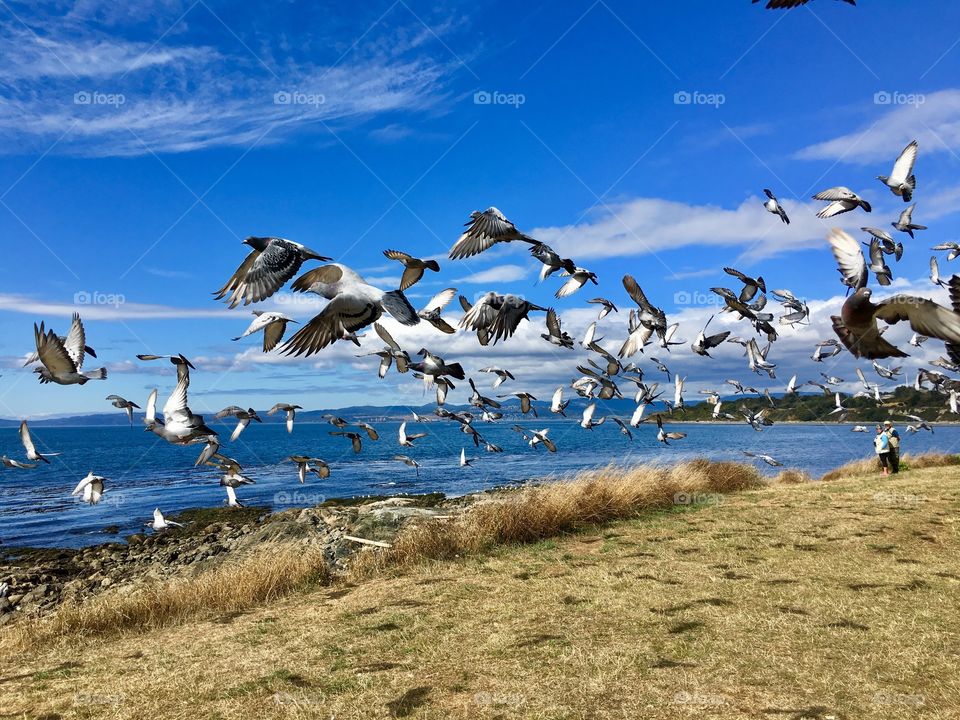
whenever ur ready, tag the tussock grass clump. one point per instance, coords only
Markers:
(870, 466)
(544, 511)
(791, 476)
(268, 573)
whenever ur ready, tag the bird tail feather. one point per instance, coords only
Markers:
(396, 303)
(100, 374)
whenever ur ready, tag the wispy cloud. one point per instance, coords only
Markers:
(501, 273)
(105, 95)
(934, 122)
(115, 309)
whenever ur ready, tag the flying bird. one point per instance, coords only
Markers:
(290, 410)
(663, 436)
(905, 222)
(90, 488)
(431, 311)
(159, 522)
(271, 262)
(32, 454)
(841, 199)
(496, 317)
(273, 325)
(123, 404)
(787, 4)
(243, 416)
(413, 267)
(354, 304)
(62, 360)
(902, 181)
(773, 206)
(484, 230)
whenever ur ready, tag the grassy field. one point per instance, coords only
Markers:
(827, 600)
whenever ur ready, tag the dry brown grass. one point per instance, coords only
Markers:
(870, 466)
(805, 601)
(546, 511)
(261, 577)
(791, 476)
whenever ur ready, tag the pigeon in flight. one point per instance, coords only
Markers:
(607, 308)
(15, 464)
(502, 375)
(773, 206)
(413, 267)
(665, 437)
(496, 317)
(243, 416)
(354, 304)
(271, 262)
(555, 335)
(159, 522)
(557, 403)
(307, 464)
(841, 199)
(406, 439)
(953, 247)
(551, 260)
(787, 4)
(484, 230)
(290, 410)
(32, 454)
(90, 488)
(902, 181)
(905, 222)
(856, 326)
(766, 458)
(935, 273)
(123, 404)
(180, 426)
(703, 343)
(578, 278)
(62, 360)
(273, 325)
(431, 311)
(355, 440)
(409, 461)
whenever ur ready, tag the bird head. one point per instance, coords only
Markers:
(257, 243)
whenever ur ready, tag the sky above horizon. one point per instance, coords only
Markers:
(143, 142)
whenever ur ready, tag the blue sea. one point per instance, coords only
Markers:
(143, 472)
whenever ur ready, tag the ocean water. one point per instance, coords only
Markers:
(143, 472)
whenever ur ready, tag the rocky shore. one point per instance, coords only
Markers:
(35, 581)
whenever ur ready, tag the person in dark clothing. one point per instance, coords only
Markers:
(893, 438)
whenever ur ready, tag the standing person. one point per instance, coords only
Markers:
(893, 438)
(881, 444)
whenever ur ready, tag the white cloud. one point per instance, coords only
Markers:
(104, 308)
(935, 123)
(501, 273)
(649, 225)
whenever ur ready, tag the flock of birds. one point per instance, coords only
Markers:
(354, 304)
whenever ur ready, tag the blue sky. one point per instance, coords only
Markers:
(141, 144)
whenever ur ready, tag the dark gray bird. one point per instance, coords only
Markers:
(607, 308)
(122, 404)
(551, 260)
(243, 416)
(555, 335)
(413, 267)
(787, 4)
(431, 311)
(703, 343)
(905, 222)
(355, 440)
(271, 262)
(484, 230)
(773, 206)
(497, 316)
(290, 410)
